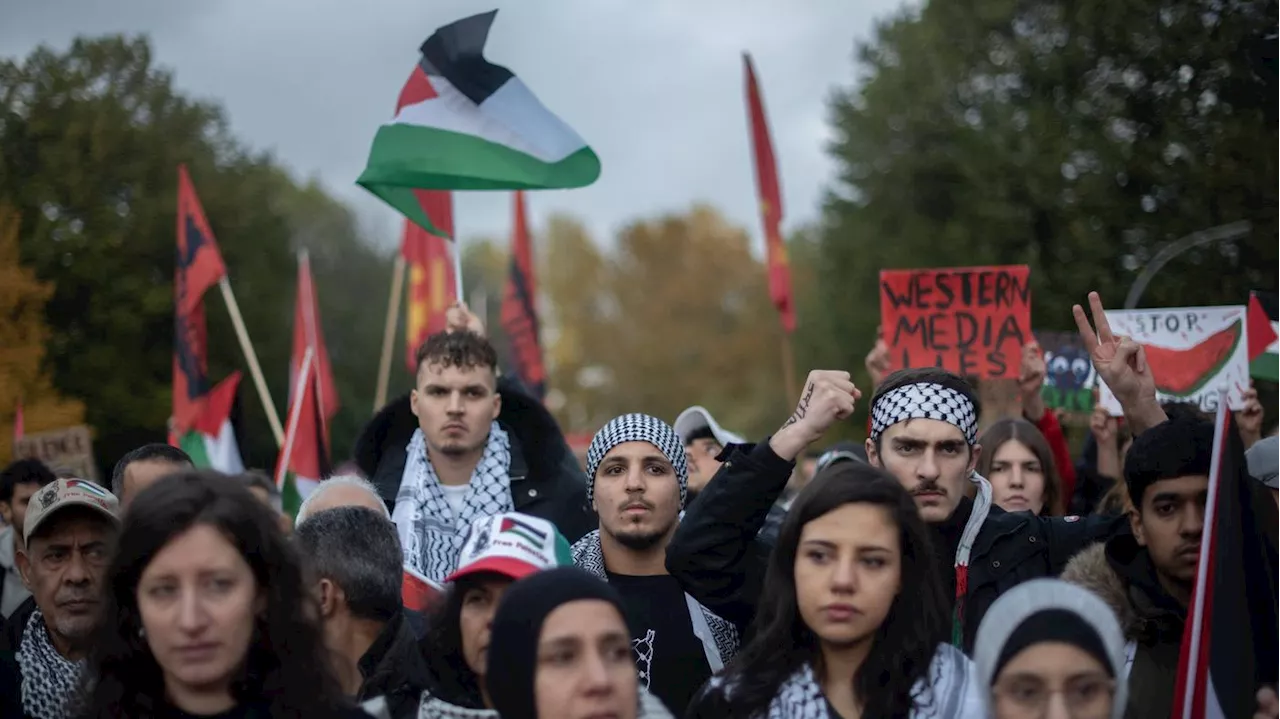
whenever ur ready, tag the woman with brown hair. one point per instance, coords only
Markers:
(1018, 462)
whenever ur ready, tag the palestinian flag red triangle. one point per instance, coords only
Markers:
(1264, 360)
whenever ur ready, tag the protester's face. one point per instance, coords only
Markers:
(848, 571)
(479, 603)
(584, 665)
(64, 566)
(15, 510)
(931, 459)
(1170, 523)
(1053, 680)
(701, 456)
(455, 407)
(345, 495)
(143, 473)
(198, 600)
(1017, 478)
(637, 495)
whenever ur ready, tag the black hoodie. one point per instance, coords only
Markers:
(546, 480)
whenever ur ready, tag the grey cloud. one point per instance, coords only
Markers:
(655, 87)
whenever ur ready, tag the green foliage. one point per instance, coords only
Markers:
(1078, 138)
(90, 141)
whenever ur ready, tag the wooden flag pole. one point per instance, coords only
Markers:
(295, 413)
(789, 372)
(389, 333)
(255, 370)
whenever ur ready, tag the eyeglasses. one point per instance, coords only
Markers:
(1028, 697)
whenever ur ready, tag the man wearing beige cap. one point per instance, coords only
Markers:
(70, 532)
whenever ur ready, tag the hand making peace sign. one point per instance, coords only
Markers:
(1119, 361)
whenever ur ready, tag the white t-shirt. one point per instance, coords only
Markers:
(455, 495)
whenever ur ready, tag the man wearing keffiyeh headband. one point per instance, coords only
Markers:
(637, 481)
(924, 432)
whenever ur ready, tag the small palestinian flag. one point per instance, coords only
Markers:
(1264, 337)
(522, 529)
(467, 124)
(211, 442)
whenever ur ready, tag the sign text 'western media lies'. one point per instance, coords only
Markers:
(970, 320)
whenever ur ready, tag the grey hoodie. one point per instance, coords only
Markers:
(1037, 595)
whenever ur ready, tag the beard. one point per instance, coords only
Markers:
(640, 539)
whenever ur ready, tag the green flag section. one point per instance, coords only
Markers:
(211, 443)
(463, 123)
(1264, 337)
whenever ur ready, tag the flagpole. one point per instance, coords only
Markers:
(255, 370)
(295, 413)
(389, 332)
(457, 268)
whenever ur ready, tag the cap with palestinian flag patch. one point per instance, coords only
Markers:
(512, 544)
(64, 494)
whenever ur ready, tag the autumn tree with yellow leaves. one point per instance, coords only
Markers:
(22, 347)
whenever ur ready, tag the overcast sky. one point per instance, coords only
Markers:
(655, 86)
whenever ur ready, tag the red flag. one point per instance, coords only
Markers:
(199, 267)
(431, 286)
(303, 453)
(19, 422)
(519, 307)
(770, 203)
(1228, 645)
(307, 333)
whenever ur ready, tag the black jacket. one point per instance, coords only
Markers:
(546, 480)
(393, 668)
(16, 624)
(715, 555)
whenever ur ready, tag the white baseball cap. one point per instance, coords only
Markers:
(697, 417)
(512, 544)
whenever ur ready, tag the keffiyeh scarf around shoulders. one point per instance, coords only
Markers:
(949, 692)
(49, 680)
(430, 535)
(588, 555)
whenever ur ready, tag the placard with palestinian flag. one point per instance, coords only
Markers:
(468, 124)
(1193, 351)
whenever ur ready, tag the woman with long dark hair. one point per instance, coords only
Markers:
(207, 614)
(1018, 462)
(853, 620)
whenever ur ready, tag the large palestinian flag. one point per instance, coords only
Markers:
(1264, 337)
(1229, 643)
(467, 124)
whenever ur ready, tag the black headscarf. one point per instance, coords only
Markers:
(513, 648)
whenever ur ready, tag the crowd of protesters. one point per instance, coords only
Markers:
(933, 571)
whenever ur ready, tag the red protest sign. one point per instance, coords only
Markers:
(970, 320)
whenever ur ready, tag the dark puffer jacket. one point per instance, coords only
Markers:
(546, 480)
(1121, 573)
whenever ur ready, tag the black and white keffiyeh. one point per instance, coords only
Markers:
(925, 400)
(950, 692)
(638, 428)
(588, 555)
(430, 535)
(49, 680)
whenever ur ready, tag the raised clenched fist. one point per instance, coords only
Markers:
(828, 397)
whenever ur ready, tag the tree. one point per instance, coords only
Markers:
(90, 140)
(677, 314)
(1077, 138)
(22, 337)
